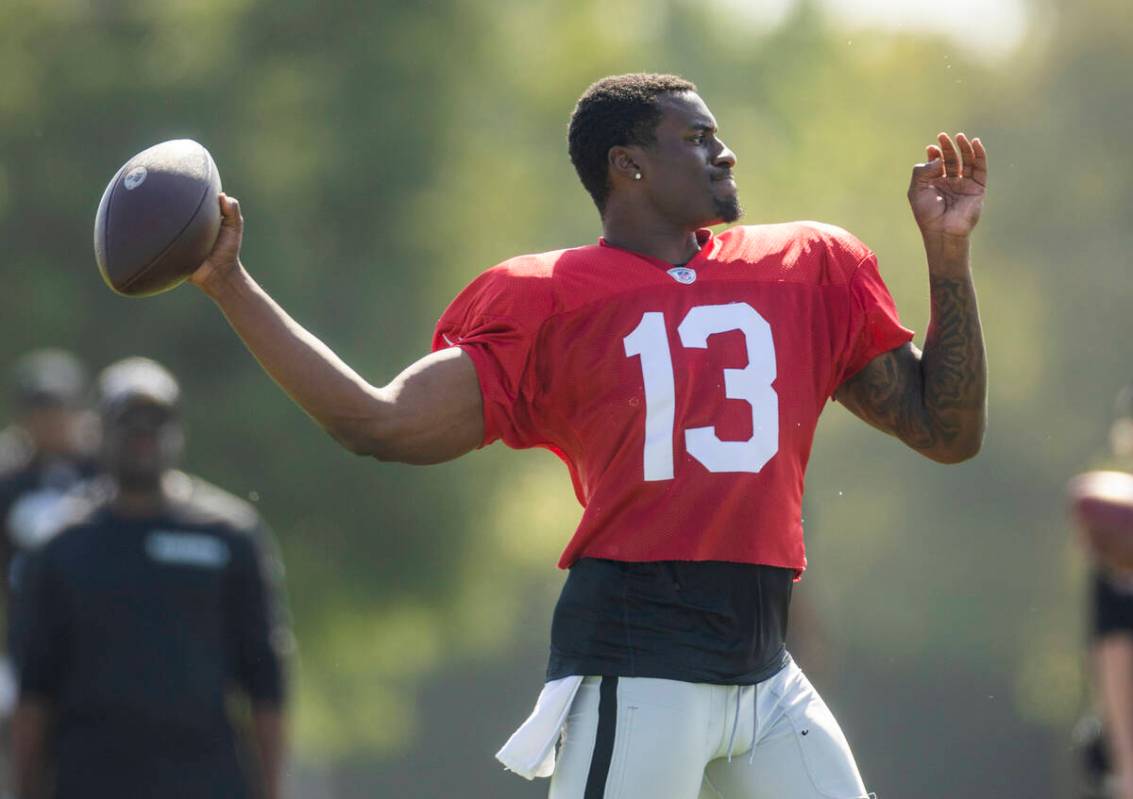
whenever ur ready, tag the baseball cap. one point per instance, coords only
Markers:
(48, 377)
(136, 380)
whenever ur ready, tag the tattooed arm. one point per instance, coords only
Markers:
(936, 401)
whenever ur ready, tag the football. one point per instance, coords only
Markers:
(1101, 504)
(158, 219)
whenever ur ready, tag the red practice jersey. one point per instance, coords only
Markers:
(683, 399)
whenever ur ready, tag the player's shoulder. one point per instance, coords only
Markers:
(198, 503)
(524, 287)
(801, 232)
(72, 517)
(534, 265)
(551, 265)
(802, 246)
(542, 271)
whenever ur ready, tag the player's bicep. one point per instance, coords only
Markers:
(434, 411)
(888, 393)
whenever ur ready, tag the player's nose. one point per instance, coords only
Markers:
(725, 158)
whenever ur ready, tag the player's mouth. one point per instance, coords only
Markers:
(726, 179)
(141, 447)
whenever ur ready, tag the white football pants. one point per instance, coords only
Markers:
(642, 738)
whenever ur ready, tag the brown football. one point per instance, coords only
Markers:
(158, 218)
(1101, 504)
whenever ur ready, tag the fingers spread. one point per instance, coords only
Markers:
(979, 162)
(932, 168)
(967, 153)
(953, 166)
(928, 171)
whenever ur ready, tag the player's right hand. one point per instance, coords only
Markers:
(224, 260)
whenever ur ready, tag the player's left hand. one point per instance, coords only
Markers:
(947, 192)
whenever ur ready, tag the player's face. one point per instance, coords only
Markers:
(142, 442)
(52, 427)
(688, 170)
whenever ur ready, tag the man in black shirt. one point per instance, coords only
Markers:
(135, 622)
(44, 453)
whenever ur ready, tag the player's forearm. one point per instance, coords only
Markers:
(933, 401)
(334, 395)
(270, 730)
(953, 363)
(29, 746)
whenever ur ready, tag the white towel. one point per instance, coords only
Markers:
(530, 751)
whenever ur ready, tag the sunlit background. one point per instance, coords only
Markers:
(385, 152)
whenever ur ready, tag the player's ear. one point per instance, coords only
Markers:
(623, 164)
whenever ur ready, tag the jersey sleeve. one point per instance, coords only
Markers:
(875, 327)
(257, 616)
(495, 321)
(39, 636)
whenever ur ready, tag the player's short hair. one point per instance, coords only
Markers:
(616, 111)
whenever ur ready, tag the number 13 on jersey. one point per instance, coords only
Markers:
(650, 342)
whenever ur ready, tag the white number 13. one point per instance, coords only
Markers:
(650, 341)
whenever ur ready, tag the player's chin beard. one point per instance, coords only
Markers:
(727, 209)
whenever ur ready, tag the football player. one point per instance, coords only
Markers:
(680, 375)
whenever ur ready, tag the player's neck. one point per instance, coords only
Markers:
(674, 245)
(137, 500)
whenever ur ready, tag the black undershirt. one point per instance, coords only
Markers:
(704, 621)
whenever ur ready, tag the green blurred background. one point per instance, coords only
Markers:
(386, 151)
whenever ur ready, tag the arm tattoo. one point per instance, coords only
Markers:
(935, 401)
(953, 362)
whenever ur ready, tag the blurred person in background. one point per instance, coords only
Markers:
(47, 450)
(1108, 755)
(680, 375)
(146, 622)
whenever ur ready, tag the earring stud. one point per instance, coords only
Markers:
(637, 176)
